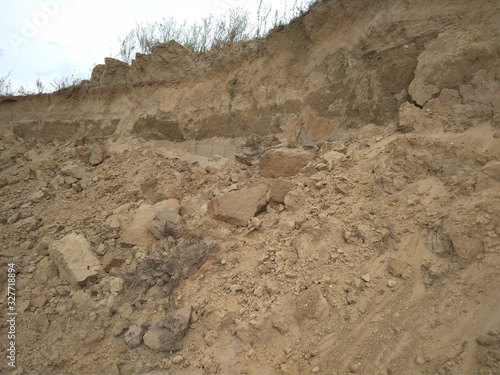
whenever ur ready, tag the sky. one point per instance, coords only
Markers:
(50, 39)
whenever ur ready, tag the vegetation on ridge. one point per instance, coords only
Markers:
(208, 34)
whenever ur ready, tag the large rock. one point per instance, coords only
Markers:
(167, 335)
(74, 259)
(238, 207)
(284, 162)
(137, 233)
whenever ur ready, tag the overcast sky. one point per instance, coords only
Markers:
(50, 39)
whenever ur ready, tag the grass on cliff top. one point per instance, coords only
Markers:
(208, 34)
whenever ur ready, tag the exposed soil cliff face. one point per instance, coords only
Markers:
(340, 66)
(324, 201)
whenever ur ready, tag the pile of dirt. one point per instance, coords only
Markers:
(350, 225)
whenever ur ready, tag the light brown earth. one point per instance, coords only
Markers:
(366, 242)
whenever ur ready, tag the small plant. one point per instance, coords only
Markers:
(65, 82)
(212, 32)
(39, 86)
(5, 86)
(232, 84)
(343, 66)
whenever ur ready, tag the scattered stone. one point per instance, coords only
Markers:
(38, 302)
(177, 359)
(110, 260)
(74, 259)
(3, 181)
(278, 191)
(256, 222)
(14, 218)
(211, 337)
(333, 158)
(420, 360)
(172, 205)
(29, 224)
(133, 336)
(284, 162)
(167, 335)
(119, 329)
(311, 307)
(137, 233)
(391, 283)
(355, 367)
(492, 169)
(63, 290)
(239, 207)
(397, 268)
(95, 154)
(366, 277)
(37, 196)
(484, 340)
(101, 250)
(116, 285)
(166, 223)
(114, 223)
(74, 171)
(315, 370)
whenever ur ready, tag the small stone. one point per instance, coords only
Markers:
(118, 330)
(420, 360)
(492, 169)
(63, 290)
(116, 285)
(38, 302)
(315, 370)
(354, 368)
(256, 223)
(258, 291)
(133, 337)
(96, 154)
(3, 181)
(398, 268)
(14, 218)
(391, 283)
(101, 250)
(74, 171)
(177, 359)
(366, 277)
(109, 261)
(211, 337)
(168, 335)
(484, 340)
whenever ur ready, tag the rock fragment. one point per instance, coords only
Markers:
(73, 170)
(284, 162)
(74, 259)
(278, 191)
(137, 233)
(167, 335)
(133, 336)
(398, 268)
(492, 169)
(238, 207)
(484, 340)
(166, 223)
